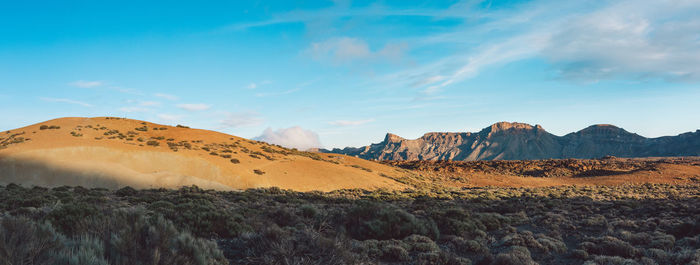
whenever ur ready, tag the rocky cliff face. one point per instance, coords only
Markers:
(520, 141)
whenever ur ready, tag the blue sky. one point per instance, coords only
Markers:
(344, 73)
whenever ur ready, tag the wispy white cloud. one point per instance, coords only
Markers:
(350, 122)
(629, 39)
(194, 107)
(166, 96)
(340, 49)
(346, 49)
(65, 100)
(241, 119)
(86, 84)
(293, 137)
(581, 40)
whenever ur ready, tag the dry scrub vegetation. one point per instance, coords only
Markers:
(644, 224)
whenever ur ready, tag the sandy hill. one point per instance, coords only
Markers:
(114, 152)
(520, 141)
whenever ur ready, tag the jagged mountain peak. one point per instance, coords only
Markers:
(518, 141)
(390, 137)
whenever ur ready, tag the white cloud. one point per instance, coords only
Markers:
(346, 49)
(65, 100)
(86, 84)
(252, 86)
(581, 40)
(166, 96)
(629, 39)
(350, 123)
(294, 137)
(340, 49)
(194, 107)
(241, 119)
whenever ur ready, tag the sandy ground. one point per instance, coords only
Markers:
(654, 170)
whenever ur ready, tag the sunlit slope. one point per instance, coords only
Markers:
(114, 152)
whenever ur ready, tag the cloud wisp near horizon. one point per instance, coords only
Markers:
(344, 73)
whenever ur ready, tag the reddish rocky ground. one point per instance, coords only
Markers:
(556, 172)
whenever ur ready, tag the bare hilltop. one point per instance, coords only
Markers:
(115, 152)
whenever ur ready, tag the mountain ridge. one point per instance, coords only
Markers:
(522, 141)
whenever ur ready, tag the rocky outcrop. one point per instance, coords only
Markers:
(520, 141)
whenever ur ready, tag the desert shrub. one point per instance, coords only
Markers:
(686, 229)
(420, 243)
(515, 255)
(607, 260)
(395, 253)
(142, 128)
(491, 221)
(43, 127)
(687, 256)
(375, 221)
(83, 250)
(132, 237)
(595, 221)
(273, 245)
(441, 258)
(204, 219)
(258, 171)
(164, 207)
(549, 244)
(461, 245)
(68, 218)
(662, 241)
(457, 221)
(284, 217)
(235, 161)
(610, 246)
(126, 191)
(308, 211)
(23, 241)
(153, 143)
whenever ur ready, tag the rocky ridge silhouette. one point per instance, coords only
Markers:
(520, 141)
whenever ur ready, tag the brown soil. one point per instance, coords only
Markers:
(542, 173)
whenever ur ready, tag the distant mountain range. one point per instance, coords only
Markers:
(520, 141)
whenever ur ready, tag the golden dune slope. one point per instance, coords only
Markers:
(114, 152)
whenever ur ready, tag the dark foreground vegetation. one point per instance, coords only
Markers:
(647, 224)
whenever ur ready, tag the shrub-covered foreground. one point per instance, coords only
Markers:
(646, 224)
